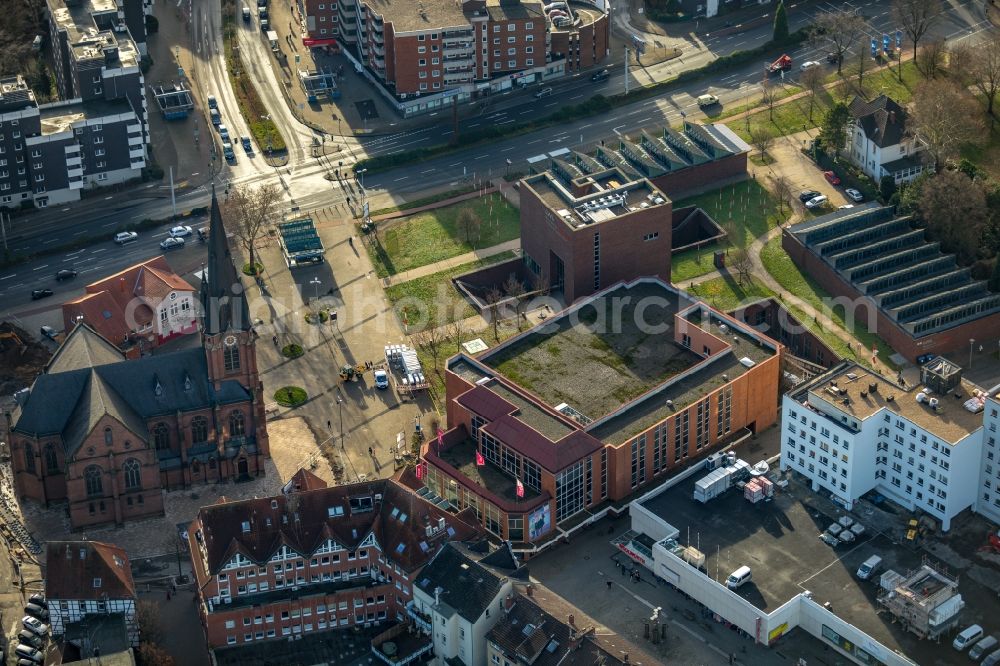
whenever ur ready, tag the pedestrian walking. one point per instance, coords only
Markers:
(274, 339)
(329, 425)
(623, 571)
(609, 584)
(370, 452)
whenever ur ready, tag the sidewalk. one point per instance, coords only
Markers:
(445, 264)
(406, 212)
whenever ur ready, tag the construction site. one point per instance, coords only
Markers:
(924, 601)
(22, 358)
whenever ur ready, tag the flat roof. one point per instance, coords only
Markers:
(83, 33)
(779, 541)
(462, 457)
(421, 16)
(567, 360)
(610, 194)
(60, 117)
(950, 421)
(524, 9)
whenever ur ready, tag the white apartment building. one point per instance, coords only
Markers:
(463, 599)
(850, 431)
(988, 500)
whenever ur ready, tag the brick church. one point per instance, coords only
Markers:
(106, 435)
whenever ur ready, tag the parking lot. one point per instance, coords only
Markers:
(779, 541)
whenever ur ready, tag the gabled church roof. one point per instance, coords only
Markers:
(224, 304)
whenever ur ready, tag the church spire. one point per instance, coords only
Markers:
(224, 305)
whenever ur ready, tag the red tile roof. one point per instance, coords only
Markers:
(105, 305)
(304, 520)
(87, 570)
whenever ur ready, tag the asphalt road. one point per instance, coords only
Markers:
(307, 188)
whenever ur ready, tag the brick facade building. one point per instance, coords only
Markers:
(315, 558)
(425, 55)
(544, 426)
(895, 282)
(106, 435)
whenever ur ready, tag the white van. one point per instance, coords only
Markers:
(968, 636)
(739, 577)
(869, 566)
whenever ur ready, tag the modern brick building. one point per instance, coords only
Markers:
(84, 579)
(106, 435)
(315, 558)
(421, 56)
(136, 309)
(600, 401)
(888, 276)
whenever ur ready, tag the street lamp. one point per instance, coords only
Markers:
(316, 282)
(340, 408)
(972, 341)
(360, 176)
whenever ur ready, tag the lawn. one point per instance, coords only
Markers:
(790, 116)
(746, 205)
(783, 269)
(724, 293)
(433, 299)
(424, 238)
(423, 201)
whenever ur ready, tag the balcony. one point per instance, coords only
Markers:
(462, 77)
(422, 620)
(451, 64)
(396, 646)
(137, 153)
(377, 37)
(459, 43)
(301, 591)
(379, 51)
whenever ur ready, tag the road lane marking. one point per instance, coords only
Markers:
(506, 121)
(504, 150)
(455, 164)
(103, 249)
(479, 157)
(7, 277)
(577, 96)
(428, 171)
(399, 179)
(38, 268)
(525, 112)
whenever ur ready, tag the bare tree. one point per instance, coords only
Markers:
(468, 224)
(456, 332)
(515, 290)
(149, 654)
(247, 213)
(761, 138)
(493, 297)
(812, 81)
(738, 257)
(984, 71)
(944, 118)
(839, 32)
(916, 17)
(961, 62)
(781, 188)
(931, 58)
(953, 208)
(540, 284)
(769, 97)
(432, 340)
(147, 616)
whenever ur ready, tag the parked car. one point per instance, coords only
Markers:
(247, 146)
(34, 610)
(381, 379)
(806, 195)
(262, 13)
(992, 659)
(707, 100)
(246, 13)
(854, 195)
(224, 132)
(49, 332)
(25, 637)
(215, 116)
(26, 652)
(123, 237)
(544, 92)
(39, 599)
(834, 58)
(831, 177)
(203, 234)
(180, 231)
(212, 102)
(227, 150)
(172, 243)
(37, 294)
(65, 274)
(807, 65)
(34, 625)
(817, 202)
(602, 75)
(984, 646)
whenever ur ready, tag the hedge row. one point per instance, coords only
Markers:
(594, 106)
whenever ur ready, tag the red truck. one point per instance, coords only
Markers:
(784, 63)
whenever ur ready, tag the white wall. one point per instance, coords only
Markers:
(988, 488)
(648, 523)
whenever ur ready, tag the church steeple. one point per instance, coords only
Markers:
(224, 305)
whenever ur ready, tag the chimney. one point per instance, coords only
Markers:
(892, 117)
(625, 658)
(529, 589)
(572, 621)
(437, 596)
(508, 602)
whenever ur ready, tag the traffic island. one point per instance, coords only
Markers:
(290, 396)
(292, 351)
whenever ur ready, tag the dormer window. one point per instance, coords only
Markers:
(97, 583)
(187, 382)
